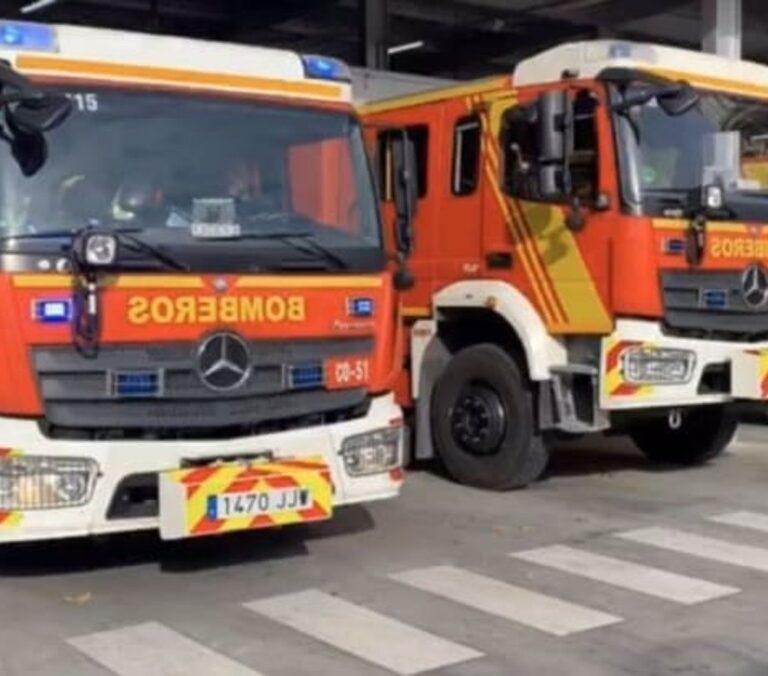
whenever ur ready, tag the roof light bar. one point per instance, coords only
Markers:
(325, 68)
(32, 37)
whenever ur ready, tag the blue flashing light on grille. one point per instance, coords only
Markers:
(52, 311)
(361, 307)
(302, 376)
(714, 299)
(674, 246)
(325, 68)
(32, 37)
(136, 383)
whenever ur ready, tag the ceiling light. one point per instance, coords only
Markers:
(405, 47)
(37, 6)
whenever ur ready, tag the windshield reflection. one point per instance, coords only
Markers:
(666, 160)
(147, 160)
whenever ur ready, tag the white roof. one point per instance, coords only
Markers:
(588, 59)
(179, 61)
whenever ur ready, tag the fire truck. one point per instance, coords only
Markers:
(200, 331)
(589, 254)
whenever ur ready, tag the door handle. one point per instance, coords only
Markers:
(498, 260)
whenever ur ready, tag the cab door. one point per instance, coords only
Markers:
(459, 190)
(552, 200)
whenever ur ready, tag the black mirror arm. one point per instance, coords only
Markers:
(575, 219)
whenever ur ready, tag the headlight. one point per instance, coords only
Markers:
(372, 452)
(657, 366)
(40, 482)
(101, 249)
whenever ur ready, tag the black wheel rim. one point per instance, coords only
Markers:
(478, 419)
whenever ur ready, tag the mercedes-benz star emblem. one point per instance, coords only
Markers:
(224, 361)
(754, 286)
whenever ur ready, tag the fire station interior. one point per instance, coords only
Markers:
(447, 39)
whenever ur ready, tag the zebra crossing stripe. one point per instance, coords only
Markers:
(713, 549)
(373, 637)
(751, 520)
(545, 613)
(153, 648)
(626, 574)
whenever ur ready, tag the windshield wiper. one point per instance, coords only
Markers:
(140, 246)
(302, 241)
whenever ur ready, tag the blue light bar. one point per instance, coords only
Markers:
(135, 384)
(325, 68)
(360, 307)
(33, 37)
(304, 376)
(52, 311)
(714, 299)
(674, 246)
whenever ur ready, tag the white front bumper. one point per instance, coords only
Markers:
(747, 364)
(120, 459)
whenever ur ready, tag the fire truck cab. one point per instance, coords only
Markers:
(199, 329)
(589, 253)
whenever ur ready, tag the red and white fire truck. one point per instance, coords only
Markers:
(199, 329)
(590, 253)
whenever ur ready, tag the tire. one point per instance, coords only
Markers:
(483, 424)
(703, 434)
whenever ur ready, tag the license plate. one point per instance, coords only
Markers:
(263, 502)
(234, 497)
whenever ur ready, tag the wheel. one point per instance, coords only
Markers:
(699, 434)
(483, 423)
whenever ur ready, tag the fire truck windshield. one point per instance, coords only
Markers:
(667, 160)
(162, 164)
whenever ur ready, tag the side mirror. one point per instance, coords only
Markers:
(29, 113)
(39, 113)
(551, 113)
(405, 190)
(678, 100)
(554, 122)
(29, 149)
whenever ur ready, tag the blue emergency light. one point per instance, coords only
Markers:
(361, 307)
(33, 37)
(52, 311)
(133, 384)
(674, 246)
(714, 299)
(325, 68)
(304, 376)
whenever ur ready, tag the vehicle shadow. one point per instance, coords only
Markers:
(597, 454)
(185, 556)
(593, 454)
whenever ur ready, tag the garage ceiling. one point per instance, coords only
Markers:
(462, 38)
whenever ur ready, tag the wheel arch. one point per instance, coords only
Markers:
(466, 313)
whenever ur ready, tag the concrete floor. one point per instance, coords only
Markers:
(179, 609)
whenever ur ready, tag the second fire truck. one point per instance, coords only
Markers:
(589, 254)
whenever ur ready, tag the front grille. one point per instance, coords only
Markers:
(78, 395)
(710, 305)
